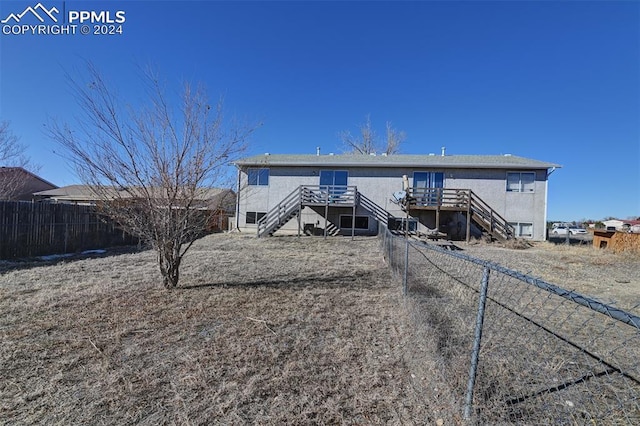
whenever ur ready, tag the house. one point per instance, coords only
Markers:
(613, 224)
(627, 225)
(16, 183)
(457, 195)
(219, 201)
(71, 194)
(634, 226)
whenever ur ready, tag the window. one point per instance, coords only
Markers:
(520, 181)
(254, 217)
(258, 176)
(398, 224)
(523, 229)
(362, 222)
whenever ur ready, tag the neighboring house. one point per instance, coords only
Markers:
(221, 202)
(17, 183)
(613, 224)
(72, 194)
(460, 195)
(632, 226)
(627, 225)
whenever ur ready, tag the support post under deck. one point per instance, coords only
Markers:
(299, 215)
(468, 222)
(326, 214)
(353, 220)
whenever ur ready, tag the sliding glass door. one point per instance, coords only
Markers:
(334, 181)
(426, 187)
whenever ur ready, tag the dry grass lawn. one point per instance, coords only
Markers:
(270, 331)
(265, 331)
(609, 277)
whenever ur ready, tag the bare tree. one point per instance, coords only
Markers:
(12, 158)
(394, 139)
(367, 141)
(152, 169)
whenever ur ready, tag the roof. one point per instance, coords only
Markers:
(86, 192)
(20, 171)
(71, 192)
(397, 160)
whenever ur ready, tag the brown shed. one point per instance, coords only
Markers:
(616, 241)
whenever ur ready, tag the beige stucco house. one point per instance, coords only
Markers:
(457, 195)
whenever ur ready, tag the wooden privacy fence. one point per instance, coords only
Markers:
(36, 229)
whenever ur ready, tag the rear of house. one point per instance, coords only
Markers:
(457, 195)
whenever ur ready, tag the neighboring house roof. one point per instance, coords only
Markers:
(631, 222)
(621, 223)
(69, 193)
(397, 160)
(612, 222)
(214, 197)
(19, 183)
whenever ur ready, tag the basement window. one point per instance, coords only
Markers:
(399, 224)
(362, 222)
(254, 217)
(522, 229)
(520, 181)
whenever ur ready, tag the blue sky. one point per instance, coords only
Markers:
(552, 81)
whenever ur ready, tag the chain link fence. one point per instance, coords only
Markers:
(517, 349)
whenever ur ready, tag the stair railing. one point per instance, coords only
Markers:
(496, 224)
(379, 213)
(283, 209)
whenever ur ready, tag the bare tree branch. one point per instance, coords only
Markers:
(152, 168)
(394, 139)
(12, 155)
(367, 141)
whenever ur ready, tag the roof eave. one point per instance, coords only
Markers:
(398, 165)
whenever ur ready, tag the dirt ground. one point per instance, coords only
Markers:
(269, 331)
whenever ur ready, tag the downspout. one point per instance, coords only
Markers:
(238, 203)
(546, 201)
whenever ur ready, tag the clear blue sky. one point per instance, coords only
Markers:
(552, 81)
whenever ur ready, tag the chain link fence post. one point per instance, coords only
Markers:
(473, 369)
(406, 267)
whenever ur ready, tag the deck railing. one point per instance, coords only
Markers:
(306, 195)
(463, 200)
(329, 194)
(439, 197)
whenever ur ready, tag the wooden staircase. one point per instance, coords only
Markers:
(321, 197)
(487, 218)
(381, 215)
(314, 196)
(281, 213)
(461, 200)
